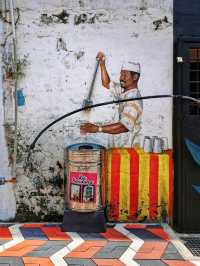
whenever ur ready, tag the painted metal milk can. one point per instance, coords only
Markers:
(85, 177)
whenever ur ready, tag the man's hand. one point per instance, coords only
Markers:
(88, 128)
(101, 57)
(104, 74)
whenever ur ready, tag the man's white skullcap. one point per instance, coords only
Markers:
(131, 66)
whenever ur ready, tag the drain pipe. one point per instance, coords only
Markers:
(15, 88)
(4, 8)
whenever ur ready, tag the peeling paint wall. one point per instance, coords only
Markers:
(60, 40)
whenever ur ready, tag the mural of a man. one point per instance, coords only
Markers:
(127, 125)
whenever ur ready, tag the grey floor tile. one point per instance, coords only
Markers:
(150, 263)
(79, 262)
(11, 261)
(91, 236)
(48, 249)
(112, 250)
(4, 241)
(171, 253)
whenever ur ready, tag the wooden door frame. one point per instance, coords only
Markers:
(178, 83)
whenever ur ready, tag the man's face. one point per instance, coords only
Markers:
(126, 79)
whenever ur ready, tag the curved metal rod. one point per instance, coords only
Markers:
(89, 107)
(108, 103)
(190, 99)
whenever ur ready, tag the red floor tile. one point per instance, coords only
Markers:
(33, 225)
(5, 233)
(113, 235)
(151, 250)
(158, 232)
(55, 233)
(135, 226)
(30, 261)
(22, 248)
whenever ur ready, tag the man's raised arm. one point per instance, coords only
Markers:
(104, 74)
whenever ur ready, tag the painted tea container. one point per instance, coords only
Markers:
(85, 177)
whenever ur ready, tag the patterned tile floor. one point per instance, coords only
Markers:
(123, 244)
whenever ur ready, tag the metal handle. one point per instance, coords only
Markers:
(88, 101)
(93, 80)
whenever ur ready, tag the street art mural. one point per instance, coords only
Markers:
(114, 53)
(139, 185)
(139, 176)
(126, 126)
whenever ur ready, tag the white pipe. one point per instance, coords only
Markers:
(16, 84)
(7, 197)
(4, 8)
(12, 19)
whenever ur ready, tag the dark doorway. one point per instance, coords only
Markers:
(186, 125)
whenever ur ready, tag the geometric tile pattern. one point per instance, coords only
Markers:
(125, 244)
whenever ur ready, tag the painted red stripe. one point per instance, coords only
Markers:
(171, 184)
(134, 183)
(153, 186)
(115, 186)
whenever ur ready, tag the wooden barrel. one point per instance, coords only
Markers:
(84, 168)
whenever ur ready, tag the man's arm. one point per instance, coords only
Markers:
(104, 74)
(115, 128)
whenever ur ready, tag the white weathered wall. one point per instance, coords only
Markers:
(56, 80)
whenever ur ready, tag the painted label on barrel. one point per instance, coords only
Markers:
(82, 187)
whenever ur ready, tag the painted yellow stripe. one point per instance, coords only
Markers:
(163, 185)
(108, 177)
(143, 198)
(124, 195)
